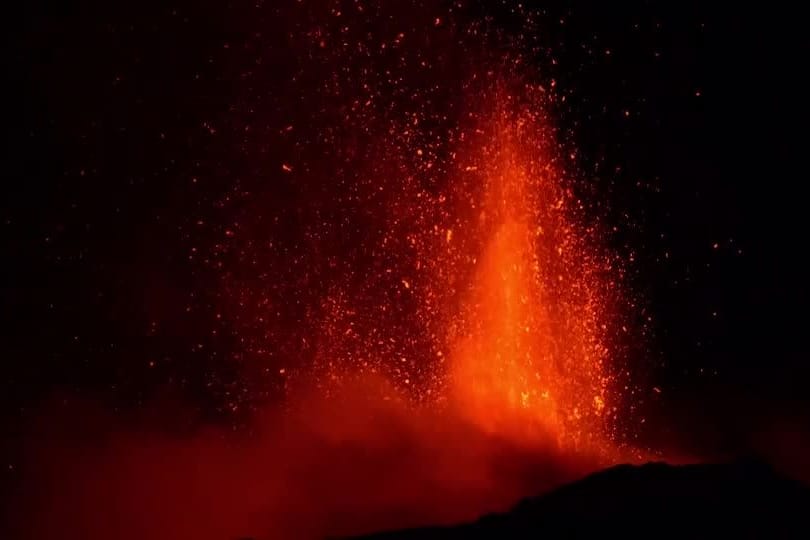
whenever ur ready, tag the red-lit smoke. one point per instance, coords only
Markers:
(464, 348)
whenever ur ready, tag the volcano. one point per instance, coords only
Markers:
(319, 269)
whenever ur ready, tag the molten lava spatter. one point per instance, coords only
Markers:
(496, 303)
(417, 317)
(532, 358)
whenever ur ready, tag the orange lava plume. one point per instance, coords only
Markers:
(470, 366)
(531, 358)
(511, 291)
(452, 345)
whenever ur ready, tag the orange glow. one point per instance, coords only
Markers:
(511, 290)
(531, 359)
(463, 354)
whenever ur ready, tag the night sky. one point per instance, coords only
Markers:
(145, 159)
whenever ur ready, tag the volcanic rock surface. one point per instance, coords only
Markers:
(742, 500)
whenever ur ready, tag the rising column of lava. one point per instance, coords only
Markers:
(530, 358)
(512, 312)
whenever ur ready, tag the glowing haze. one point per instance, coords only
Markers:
(531, 349)
(433, 298)
(510, 288)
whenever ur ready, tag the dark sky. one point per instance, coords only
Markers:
(125, 121)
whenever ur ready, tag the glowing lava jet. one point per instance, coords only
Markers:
(531, 360)
(509, 286)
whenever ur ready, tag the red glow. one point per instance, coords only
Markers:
(517, 301)
(533, 353)
(468, 361)
(516, 393)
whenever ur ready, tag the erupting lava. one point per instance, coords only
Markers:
(532, 354)
(421, 284)
(511, 290)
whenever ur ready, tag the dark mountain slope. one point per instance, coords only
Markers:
(743, 500)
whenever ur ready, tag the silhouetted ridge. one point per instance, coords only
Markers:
(745, 499)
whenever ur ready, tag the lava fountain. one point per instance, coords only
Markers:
(532, 356)
(511, 289)
(444, 318)
(498, 379)
(470, 364)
